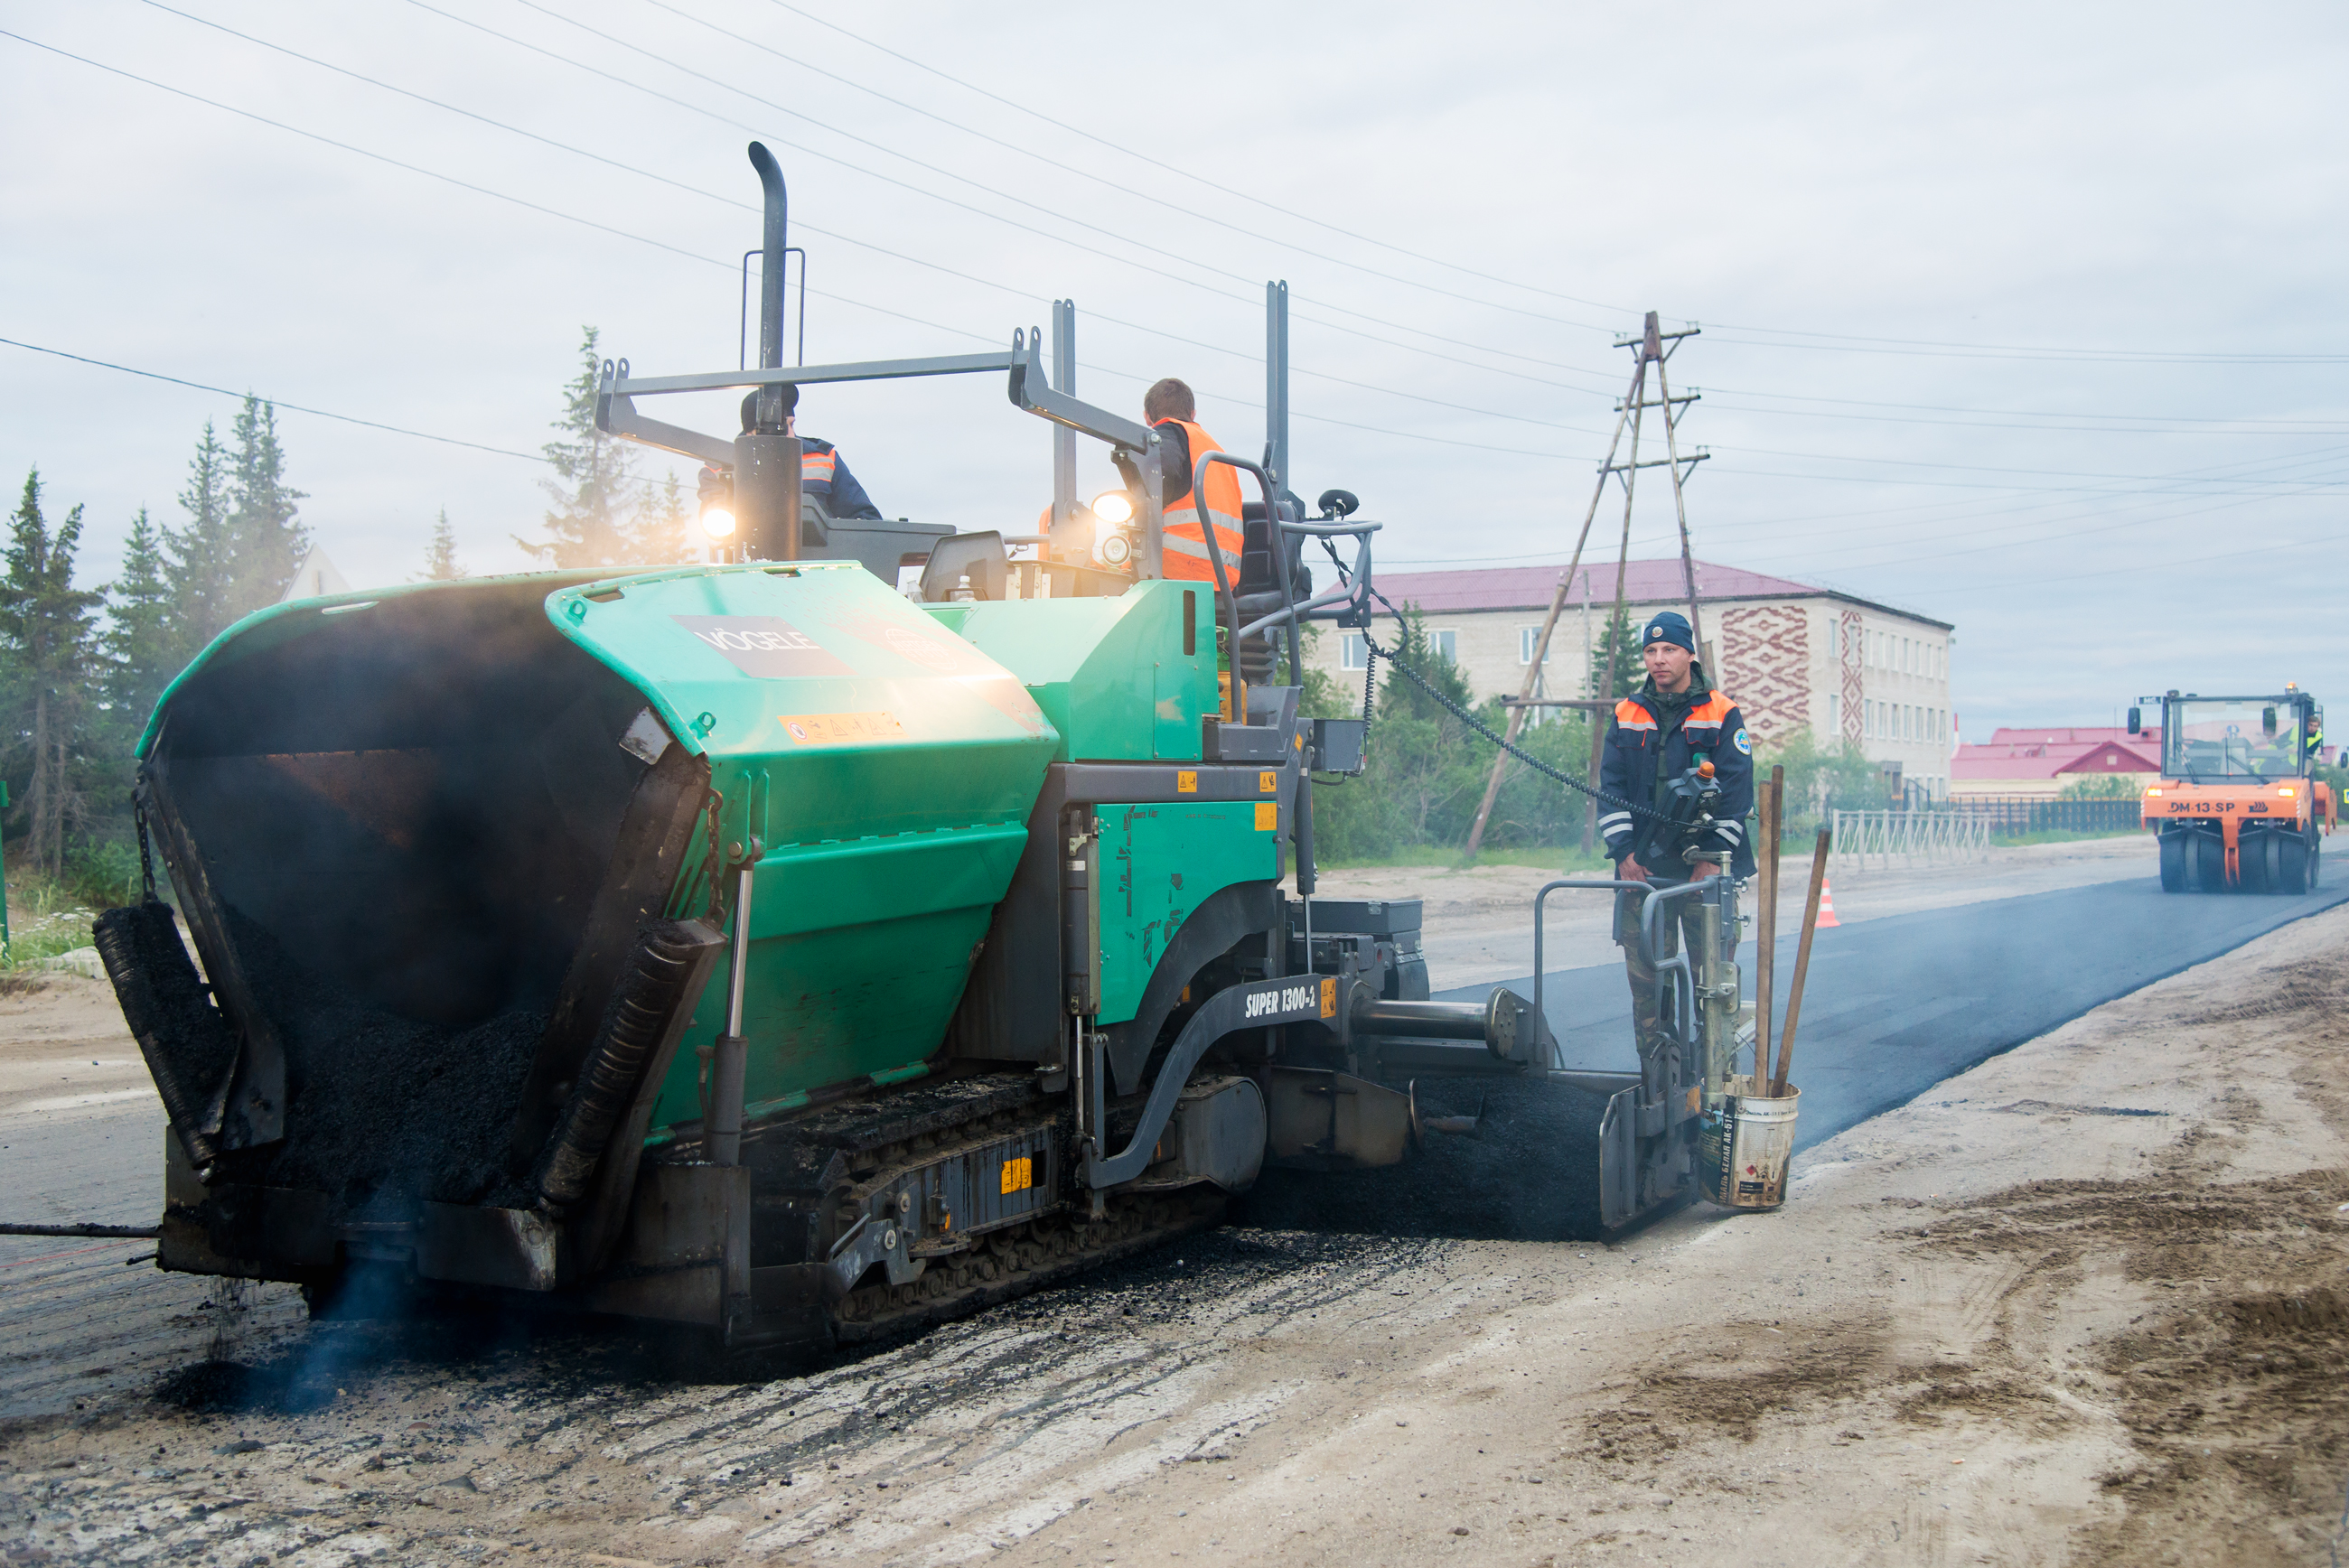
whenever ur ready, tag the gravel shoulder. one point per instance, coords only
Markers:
(2087, 1302)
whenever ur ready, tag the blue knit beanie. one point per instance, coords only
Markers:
(1669, 627)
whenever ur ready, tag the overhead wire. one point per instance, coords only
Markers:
(1188, 213)
(738, 205)
(280, 403)
(1546, 362)
(622, 233)
(1884, 343)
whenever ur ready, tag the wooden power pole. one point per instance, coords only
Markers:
(1650, 348)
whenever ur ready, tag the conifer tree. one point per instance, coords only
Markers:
(141, 645)
(1629, 672)
(47, 636)
(201, 568)
(441, 564)
(266, 538)
(662, 537)
(594, 491)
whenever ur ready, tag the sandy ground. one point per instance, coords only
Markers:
(2088, 1303)
(63, 1049)
(1479, 926)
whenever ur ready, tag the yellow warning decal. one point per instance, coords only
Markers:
(1186, 783)
(1268, 817)
(841, 728)
(1267, 783)
(1330, 998)
(1019, 1174)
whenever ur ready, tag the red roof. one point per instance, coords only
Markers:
(1530, 587)
(2082, 734)
(2013, 757)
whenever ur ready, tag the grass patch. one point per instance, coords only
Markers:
(46, 917)
(1536, 856)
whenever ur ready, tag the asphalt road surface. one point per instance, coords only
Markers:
(1892, 1006)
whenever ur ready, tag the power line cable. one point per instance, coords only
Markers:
(1601, 378)
(1124, 151)
(693, 255)
(1891, 344)
(738, 205)
(279, 403)
(1191, 213)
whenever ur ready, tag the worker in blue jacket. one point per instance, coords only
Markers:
(1670, 724)
(823, 472)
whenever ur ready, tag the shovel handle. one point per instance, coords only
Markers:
(1801, 965)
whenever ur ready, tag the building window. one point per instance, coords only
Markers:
(1446, 646)
(1835, 714)
(1868, 718)
(1351, 654)
(1528, 638)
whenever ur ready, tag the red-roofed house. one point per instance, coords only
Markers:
(2041, 762)
(1792, 654)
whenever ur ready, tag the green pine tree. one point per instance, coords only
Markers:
(662, 537)
(47, 639)
(594, 491)
(441, 564)
(142, 642)
(266, 539)
(202, 564)
(1629, 672)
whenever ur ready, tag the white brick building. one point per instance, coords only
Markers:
(1789, 654)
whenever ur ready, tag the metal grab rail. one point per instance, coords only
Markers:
(1542, 897)
(1229, 586)
(1353, 593)
(1676, 973)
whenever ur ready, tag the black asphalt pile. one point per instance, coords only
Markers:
(381, 1105)
(1528, 1172)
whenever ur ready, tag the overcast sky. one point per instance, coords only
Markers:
(2028, 318)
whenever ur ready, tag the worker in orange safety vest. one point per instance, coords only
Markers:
(1172, 412)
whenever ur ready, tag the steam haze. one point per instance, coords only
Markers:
(2086, 403)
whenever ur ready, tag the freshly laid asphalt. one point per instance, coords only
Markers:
(1894, 1005)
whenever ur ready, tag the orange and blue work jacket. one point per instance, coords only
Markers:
(822, 474)
(1654, 741)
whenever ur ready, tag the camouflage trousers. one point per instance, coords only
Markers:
(1687, 926)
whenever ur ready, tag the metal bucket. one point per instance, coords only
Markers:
(1744, 1148)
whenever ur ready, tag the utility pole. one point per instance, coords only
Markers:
(1648, 348)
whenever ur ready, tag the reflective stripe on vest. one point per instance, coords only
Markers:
(1183, 540)
(815, 469)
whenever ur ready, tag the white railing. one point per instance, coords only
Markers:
(1879, 839)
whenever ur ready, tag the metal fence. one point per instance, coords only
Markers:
(1961, 832)
(1863, 839)
(2021, 814)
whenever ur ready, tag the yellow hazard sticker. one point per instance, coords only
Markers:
(1267, 783)
(841, 728)
(1268, 817)
(1330, 998)
(1019, 1174)
(1186, 783)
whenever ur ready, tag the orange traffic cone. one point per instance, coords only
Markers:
(1826, 906)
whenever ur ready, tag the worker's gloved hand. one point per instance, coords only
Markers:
(1130, 474)
(712, 486)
